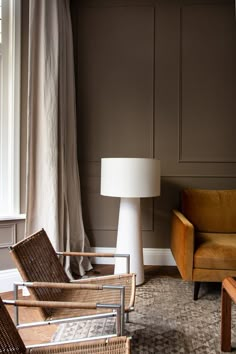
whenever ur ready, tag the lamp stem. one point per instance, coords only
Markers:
(129, 238)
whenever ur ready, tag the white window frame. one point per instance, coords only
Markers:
(10, 52)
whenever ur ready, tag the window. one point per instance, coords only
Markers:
(0, 21)
(9, 106)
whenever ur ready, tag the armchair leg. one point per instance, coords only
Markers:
(196, 290)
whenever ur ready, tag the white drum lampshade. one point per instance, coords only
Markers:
(130, 179)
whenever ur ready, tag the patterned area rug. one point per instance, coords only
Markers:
(166, 320)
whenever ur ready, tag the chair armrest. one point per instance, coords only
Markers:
(229, 284)
(68, 286)
(119, 308)
(116, 311)
(59, 285)
(87, 254)
(228, 294)
(97, 254)
(182, 243)
(59, 304)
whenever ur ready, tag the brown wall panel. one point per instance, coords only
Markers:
(208, 83)
(115, 81)
(154, 78)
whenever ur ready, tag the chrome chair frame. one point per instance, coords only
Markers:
(117, 309)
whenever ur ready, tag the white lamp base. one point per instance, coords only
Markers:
(129, 238)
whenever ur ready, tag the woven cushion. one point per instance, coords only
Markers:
(215, 251)
(210, 210)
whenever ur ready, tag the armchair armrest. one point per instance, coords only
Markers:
(182, 243)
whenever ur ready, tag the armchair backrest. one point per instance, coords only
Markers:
(37, 261)
(10, 340)
(210, 210)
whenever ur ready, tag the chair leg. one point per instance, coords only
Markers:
(196, 290)
(225, 321)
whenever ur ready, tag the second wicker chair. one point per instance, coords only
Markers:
(11, 341)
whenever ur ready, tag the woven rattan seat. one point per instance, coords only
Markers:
(11, 341)
(37, 261)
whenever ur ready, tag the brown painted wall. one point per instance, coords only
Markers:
(155, 79)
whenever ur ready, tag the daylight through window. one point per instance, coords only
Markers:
(0, 21)
(9, 106)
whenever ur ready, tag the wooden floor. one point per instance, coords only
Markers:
(44, 334)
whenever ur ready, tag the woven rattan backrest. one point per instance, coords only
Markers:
(37, 260)
(10, 340)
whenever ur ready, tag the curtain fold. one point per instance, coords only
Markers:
(53, 187)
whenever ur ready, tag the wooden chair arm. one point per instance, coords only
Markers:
(52, 304)
(98, 254)
(68, 286)
(228, 294)
(116, 310)
(59, 285)
(229, 284)
(87, 254)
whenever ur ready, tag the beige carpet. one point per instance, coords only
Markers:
(166, 320)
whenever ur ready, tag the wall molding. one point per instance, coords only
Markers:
(7, 279)
(152, 256)
(11, 229)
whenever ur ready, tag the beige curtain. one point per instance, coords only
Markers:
(53, 188)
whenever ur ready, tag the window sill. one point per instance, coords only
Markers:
(12, 217)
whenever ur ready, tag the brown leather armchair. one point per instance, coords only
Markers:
(203, 236)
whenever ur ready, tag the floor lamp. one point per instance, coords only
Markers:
(130, 179)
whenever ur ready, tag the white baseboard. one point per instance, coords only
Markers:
(7, 278)
(151, 256)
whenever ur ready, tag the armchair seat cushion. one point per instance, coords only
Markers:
(215, 251)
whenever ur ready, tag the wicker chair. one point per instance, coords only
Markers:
(38, 263)
(11, 341)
